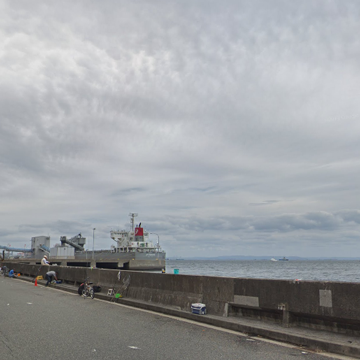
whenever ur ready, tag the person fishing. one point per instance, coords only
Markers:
(50, 276)
(44, 261)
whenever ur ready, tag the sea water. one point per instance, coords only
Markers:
(318, 270)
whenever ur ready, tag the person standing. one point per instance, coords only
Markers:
(50, 276)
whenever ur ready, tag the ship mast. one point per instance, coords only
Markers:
(132, 220)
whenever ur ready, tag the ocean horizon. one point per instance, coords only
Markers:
(301, 270)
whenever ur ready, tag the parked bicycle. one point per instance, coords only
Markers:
(88, 290)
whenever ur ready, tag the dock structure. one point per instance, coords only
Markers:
(319, 315)
(108, 330)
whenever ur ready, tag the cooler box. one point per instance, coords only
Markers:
(198, 308)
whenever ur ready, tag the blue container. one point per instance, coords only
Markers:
(176, 271)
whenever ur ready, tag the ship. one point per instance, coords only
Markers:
(284, 259)
(132, 250)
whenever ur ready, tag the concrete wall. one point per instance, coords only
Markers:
(332, 306)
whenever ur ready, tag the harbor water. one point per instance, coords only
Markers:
(318, 270)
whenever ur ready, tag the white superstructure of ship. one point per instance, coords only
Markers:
(135, 240)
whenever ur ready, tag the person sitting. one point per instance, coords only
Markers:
(44, 261)
(50, 276)
(11, 273)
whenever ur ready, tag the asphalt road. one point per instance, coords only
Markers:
(44, 323)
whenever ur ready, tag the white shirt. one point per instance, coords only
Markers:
(44, 262)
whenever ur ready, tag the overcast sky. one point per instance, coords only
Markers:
(230, 127)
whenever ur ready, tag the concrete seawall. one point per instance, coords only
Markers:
(330, 306)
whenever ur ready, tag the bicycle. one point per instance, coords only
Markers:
(88, 290)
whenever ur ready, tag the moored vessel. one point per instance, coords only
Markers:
(133, 251)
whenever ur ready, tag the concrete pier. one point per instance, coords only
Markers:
(44, 323)
(318, 315)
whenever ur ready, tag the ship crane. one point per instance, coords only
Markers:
(76, 241)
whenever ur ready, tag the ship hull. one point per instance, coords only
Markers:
(108, 260)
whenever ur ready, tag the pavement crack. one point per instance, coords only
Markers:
(5, 342)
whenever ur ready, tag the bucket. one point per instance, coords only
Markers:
(176, 271)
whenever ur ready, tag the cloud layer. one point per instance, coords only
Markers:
(230, 128)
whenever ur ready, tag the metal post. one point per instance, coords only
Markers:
(93, 257)
(158, 243)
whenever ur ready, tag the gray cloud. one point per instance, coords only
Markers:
(232, 123)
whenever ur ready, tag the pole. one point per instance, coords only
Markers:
(93, 257)
(158, 243)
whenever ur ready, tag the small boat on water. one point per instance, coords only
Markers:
(272, 259)
(284, 259)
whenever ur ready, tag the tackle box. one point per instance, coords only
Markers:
(198, 308)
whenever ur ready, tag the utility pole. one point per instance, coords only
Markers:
(93, 257)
